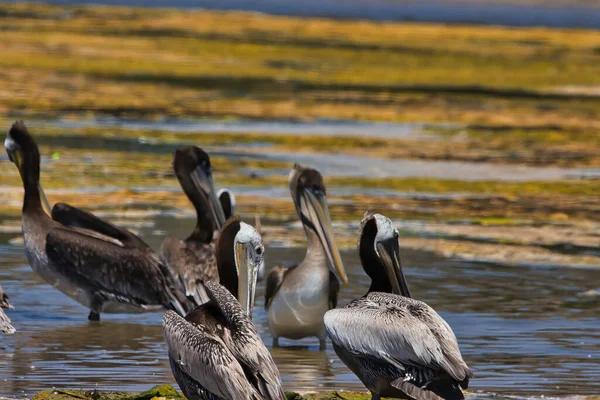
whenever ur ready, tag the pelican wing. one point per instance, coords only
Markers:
(206, 260)
(128, 275)
(246, 344)
(71, 216)
(206, 359)
(399, 330)
(274, 281)
(187, 270)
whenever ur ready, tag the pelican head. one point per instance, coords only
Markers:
(24, 153)
(240, 255)
(227, 200)
(194, 172)
(308, 192)
(379, 253)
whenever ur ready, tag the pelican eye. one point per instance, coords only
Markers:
(259, 250)
(396, 234)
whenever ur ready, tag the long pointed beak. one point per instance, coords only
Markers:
(315, 205)
(247, 274)
(204, 183)
(389, 252)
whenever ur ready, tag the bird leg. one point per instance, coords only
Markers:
(275, 342)
(322, 344)
(96, 305)
(94, 316)
(375, 396)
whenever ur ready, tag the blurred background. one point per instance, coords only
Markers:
(474, 124)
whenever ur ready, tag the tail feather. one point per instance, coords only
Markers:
(269, 390)
(436, 390)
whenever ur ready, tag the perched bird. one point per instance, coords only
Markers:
(100, 272)
(397, 346)
(192, 261)
(297, 297)
(215, 351)
(5, 326)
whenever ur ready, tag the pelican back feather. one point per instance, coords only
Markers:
(204, 358)
(246, 344)
(403, 332)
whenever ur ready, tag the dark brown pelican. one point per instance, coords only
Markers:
(192, 261)
(398, 347)
(5, 326)
(297, 297)
(216, 352)
(96, 270)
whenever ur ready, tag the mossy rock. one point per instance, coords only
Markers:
(168, 392)
(161, 391)
(157, 392)
(329, 396)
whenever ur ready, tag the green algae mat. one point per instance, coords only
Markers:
(167, 392)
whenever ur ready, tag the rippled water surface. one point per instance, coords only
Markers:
(332, 164)
(524, 331)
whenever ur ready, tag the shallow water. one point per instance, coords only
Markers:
(342, 165)
(524, 331)
(368, 167)
(321, 127)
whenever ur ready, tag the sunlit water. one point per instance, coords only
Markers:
(524, 331)
(341, 165)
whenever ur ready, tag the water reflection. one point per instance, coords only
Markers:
(525, 331)
(93, 353)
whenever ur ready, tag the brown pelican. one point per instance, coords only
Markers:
(227, 200)
(5, 325)
(297, 297)
(96, 270)
(398, 347)
(216, 352)
(192, 261)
